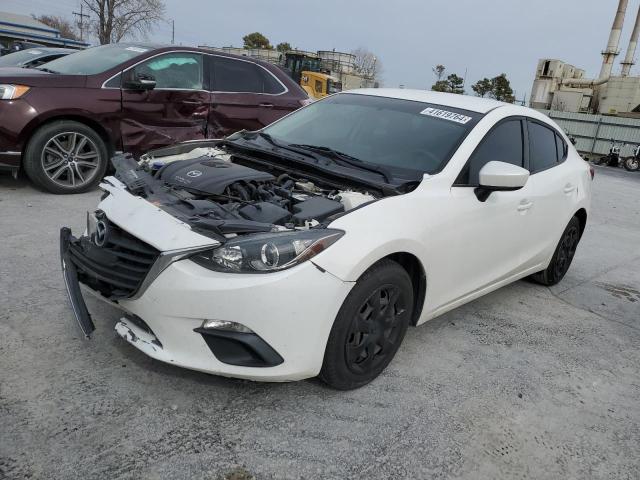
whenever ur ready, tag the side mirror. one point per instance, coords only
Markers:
(500, 176)
(140, 81)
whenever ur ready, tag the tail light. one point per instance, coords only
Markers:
(592, 171)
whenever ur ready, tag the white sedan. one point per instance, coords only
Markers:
(309, 247)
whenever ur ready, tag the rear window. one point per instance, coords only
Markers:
(231, 75)
(543, 153)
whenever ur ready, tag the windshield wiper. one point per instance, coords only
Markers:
(47, 70)
(348, 159)
(252, 135)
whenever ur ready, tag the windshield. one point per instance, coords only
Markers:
(94, 60)
(18, 58)
(385, 131)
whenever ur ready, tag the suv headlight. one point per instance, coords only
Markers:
(11, 92)
(265, 253)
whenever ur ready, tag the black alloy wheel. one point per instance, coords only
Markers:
(369, 327)
(562, 257)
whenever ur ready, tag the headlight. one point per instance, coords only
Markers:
(11, 92)
(267, 252)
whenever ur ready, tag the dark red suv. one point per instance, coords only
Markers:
(65, 119)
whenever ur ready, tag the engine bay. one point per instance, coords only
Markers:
(220, 193)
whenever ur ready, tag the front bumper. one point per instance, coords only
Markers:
(291, 311)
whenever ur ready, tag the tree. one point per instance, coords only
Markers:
(502, 89)
(482, 87)
(438, 71)
(367, 63)
(256, 40)
(452, 84)
(283, 47)
(115, 20)
(497, 87)
(65, 27)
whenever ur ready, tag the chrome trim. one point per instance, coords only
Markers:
(286, 89)
(162, 263)
(9, 152)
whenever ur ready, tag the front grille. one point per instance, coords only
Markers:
(118, 267)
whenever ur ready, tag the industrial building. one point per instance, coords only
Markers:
(559, 85)
(340, 65)
(21, 28)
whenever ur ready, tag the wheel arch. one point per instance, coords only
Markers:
(89, 122)
(414, 268)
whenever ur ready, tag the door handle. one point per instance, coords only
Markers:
(568, 188)
(524, 206)
(266, 105)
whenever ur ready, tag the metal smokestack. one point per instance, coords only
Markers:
(609, 55)
(631, 49)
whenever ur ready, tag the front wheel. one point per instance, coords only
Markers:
(66, 157)
(632, 164)
(369, 327)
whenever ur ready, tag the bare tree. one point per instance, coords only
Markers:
(115, 20)
(367, 63)
(438, 71)
(64, 26)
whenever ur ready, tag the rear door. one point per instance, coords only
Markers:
(174, 111)
(245, 96)
(553, 190)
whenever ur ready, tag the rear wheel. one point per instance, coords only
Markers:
(562, 257)
(632, 164)
(66, 157)
(369, 327)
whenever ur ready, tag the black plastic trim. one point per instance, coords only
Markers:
(241, 349)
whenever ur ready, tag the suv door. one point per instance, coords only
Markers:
(484, 244)
(174, 111)
(553, 190)
(245, 96)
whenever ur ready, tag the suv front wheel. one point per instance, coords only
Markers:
(66, 157)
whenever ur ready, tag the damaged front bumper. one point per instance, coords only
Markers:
(289, 314)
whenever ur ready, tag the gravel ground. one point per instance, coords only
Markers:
(527, 382)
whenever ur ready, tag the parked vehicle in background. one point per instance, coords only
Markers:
(18, 46)
(611, 159)
(319, 85)
(632, 163)
(34, 57)
(309, 247)
(62, 121)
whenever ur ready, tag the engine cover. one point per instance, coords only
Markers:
(209, 176)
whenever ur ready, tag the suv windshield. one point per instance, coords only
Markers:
(385, 131)
(94, 60)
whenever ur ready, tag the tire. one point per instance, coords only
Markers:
(562, 257)
(632, 164)
(601, 160)
(66, 157)
(362, 343)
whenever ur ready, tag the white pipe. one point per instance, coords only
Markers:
(585, 82)
(631, 48)
(614, 40)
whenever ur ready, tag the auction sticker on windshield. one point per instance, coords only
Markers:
(445, 115)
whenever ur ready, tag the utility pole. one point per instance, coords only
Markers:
(82, 16)
(173, 32)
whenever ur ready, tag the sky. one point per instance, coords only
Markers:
(483, 38)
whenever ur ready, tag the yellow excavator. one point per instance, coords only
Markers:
(306, 69)
(319, 85)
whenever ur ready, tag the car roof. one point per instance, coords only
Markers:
(465, 102)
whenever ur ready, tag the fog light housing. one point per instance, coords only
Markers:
(226, 326)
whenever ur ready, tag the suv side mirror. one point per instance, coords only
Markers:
(500, 176)
(140, 81)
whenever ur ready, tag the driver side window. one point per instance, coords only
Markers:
(174, 70)
(503, 144)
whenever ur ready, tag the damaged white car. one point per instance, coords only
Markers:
(308, 248)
